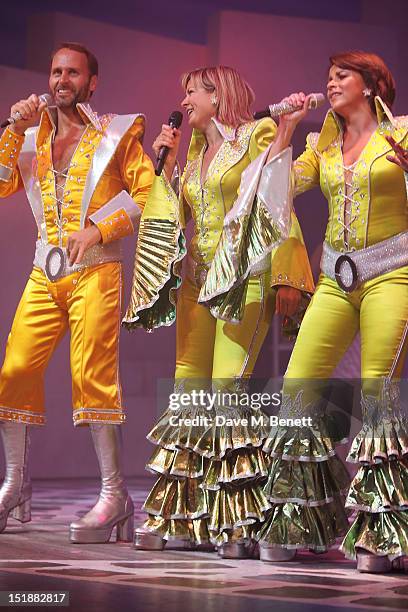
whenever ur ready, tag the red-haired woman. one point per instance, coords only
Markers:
(363, 287)
(209, 487)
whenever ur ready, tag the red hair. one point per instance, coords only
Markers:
(373, 70)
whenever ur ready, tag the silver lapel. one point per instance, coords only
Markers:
(103, 154)
(26, 161)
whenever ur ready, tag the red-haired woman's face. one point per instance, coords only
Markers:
(345, 89)
(198, 106)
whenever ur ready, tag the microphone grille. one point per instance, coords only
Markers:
(175, 119)
(47, 98)
(316, 100)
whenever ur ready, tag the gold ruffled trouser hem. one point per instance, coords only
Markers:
(306, 486)
(213, 493)
(379, 491)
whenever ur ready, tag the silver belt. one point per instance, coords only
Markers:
(353, 268)
(54, 261)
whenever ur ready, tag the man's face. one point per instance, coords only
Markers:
(70, 81)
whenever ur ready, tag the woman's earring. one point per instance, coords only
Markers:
(214, 100)
(366, 92)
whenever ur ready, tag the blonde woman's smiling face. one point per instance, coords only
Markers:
(198, 105)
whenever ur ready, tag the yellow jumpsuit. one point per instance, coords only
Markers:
(208, 485)
(367, 204)
(108, 161)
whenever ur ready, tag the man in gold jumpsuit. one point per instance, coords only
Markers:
(87, 179)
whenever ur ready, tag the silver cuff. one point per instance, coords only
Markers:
(122, 201)
(5, 173)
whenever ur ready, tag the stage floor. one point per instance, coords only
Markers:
(106, 577)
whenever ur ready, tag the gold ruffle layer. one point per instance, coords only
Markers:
(194, 531)
(290, 525)
(210, 441)
(306, 484)
(387, 440)
(226, 494)
(381, 533)
(301, 443)
(309, 484)
(380, 488)
(379, 491)
(241, 465)
(156, 277)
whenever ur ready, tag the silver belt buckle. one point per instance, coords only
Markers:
(343, 273)
(55, 264)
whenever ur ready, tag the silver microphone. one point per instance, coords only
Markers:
(284, 108)
(45, 97)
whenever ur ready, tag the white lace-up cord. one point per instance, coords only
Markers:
(351, 207)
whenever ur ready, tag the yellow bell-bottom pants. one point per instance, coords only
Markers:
(210, 477)
(306, 479)
(88, 303)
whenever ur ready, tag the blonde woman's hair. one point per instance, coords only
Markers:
(233, 94)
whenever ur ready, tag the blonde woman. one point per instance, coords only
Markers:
(209, 487)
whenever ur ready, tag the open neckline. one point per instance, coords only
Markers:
(200, 167)
(353, 164)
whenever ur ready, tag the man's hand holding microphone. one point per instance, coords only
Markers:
(26, 113)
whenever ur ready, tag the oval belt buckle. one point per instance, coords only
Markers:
(56, 256)
(337, 267)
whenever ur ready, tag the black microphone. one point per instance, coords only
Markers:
(17, 116)
(175, 120)
(284, 108)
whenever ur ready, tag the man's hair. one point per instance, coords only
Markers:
(92, 61)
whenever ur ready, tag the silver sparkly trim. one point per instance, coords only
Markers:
(375, 410)
(370, 262)
(5, 173)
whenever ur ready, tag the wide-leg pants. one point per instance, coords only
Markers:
(305, 479)
(88, 304)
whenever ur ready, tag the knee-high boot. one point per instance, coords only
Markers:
(114, 507)
(15, 493)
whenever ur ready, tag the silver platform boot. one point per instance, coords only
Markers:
(15, 493)
(234, 550)
(146, 539)
(369, 563)
(114, 507)
(275, 554)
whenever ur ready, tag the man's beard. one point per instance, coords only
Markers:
(80, 96)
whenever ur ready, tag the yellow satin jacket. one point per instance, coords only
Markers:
(377, 195)
(109, 158)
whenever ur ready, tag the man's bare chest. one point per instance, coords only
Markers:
(62, 152)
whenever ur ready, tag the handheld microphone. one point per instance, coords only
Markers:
(175, 120)
(47, 98)
(284, 108)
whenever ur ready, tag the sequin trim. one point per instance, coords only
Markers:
(21, 416)
(97, 415)
(373, 261)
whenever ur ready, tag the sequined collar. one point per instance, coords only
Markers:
(197, 141)
(332, 125)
